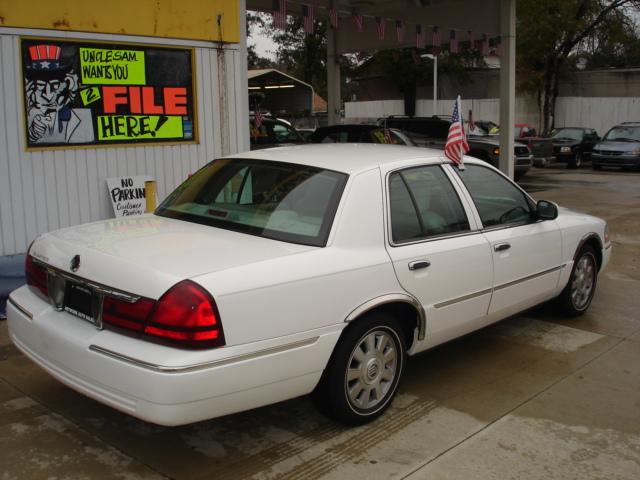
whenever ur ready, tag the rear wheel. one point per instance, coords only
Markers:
(577, 295)
(364, 370)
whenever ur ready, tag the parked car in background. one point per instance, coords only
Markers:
(573, 145)
(620, 147)
(272, 132)
(541, 148)
(305, 132)
(433, 132)
(272, 274)
(360, 133)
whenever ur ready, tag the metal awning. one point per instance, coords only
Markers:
(280, 92)
(480, 17)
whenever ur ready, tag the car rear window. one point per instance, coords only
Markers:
(282, 201)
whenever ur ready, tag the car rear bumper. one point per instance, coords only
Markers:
(186, 386)
(615, 160)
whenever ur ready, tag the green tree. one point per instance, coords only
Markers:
(549, 35)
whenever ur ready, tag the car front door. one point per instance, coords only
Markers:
(439, 254)
(526, 251)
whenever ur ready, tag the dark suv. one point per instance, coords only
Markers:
(433, 131)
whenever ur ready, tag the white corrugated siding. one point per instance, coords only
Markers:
(600, 113)
(483, 109)
(46, 190)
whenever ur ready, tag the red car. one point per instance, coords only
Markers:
(541, 148)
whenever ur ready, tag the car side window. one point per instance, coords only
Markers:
(498, 201)
(336, 137)
(424, 204)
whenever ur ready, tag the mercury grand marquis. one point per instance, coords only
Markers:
(296, 270)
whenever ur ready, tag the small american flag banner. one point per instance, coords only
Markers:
(456, 145)
(257, 118)
(400, 31)
(333, 18)
(416, 57)
(453, 42)
(419, 37)
(307, 18)
(485, 44)
(436, 40)
(279, 13)
(358, 20)
(395, 55)
(380, 26)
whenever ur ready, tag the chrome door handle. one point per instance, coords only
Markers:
(419, 264)
(499, 247)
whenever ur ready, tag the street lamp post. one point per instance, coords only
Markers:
(435, 80)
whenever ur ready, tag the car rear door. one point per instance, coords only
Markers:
(439, 254)
(526, 252)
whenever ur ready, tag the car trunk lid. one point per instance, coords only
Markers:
(147, 255)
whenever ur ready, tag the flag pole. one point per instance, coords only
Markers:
(461, 164)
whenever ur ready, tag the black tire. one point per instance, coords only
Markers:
(576, 161)
(578, 293)
(344, 396)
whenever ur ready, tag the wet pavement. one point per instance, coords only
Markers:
(537, 396)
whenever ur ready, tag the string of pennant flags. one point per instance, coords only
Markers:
(307, 11)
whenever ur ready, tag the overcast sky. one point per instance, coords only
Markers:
(264, 45)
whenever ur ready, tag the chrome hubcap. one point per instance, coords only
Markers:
(371, 369)
(583, 281)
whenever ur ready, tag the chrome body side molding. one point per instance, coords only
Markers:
(201, 366)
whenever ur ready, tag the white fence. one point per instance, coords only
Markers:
(600, 113)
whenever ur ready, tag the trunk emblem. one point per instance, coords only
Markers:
(75, 263)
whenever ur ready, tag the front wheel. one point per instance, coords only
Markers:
(576, 161)
(364, 370)
(577, 295)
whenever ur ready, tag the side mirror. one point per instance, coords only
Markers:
(546, 210)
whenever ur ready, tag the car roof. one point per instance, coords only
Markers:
(350, 158)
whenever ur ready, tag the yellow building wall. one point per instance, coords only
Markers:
(185, 19)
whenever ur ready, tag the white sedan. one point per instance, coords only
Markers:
(273, 274)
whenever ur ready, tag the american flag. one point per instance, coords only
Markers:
(485, 44)
(333, 18)
(453, 42)
(419, 37)
(436, 40)
(416, 57)
(279, 13)
(456, 145)
(307, 18)
(358, 20)
(257, 118)
(400, 31)
(472, 126)
(395, 55)
(380, 26)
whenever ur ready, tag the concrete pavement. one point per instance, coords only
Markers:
(537, 396)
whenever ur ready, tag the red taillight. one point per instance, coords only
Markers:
(131, 316)
(186, 314)
(36, 275)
